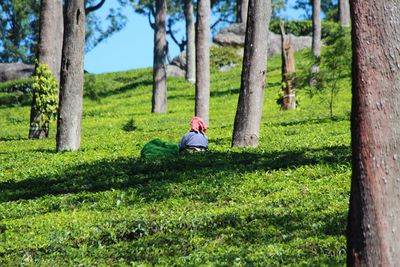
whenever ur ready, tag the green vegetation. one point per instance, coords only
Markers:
(45, 97)
(284, 203)
(303, 27)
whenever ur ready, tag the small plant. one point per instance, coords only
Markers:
(90, 87)
(334, 69)
(130, 126)
(45, 101)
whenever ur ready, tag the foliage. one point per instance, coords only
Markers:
(334, 69)
(130, 126)
(16, 92)
(328, 7)
(19, 28)
(281, 204)
(45, 96)
(222, 56)
(22, 85)
(304, 27)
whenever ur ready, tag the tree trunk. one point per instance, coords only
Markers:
(71, 78)
(374, 224)
(190, 38)
(49, 49)
(316, 40)
(160, 51)
(241, 10)
(316, 24)
(251, 96)
(344, 13)
(203, 35)
(288, 70)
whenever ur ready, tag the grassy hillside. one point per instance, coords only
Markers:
(284, 203)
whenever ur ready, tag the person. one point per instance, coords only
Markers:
(196, 139)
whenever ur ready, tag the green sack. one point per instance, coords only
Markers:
(157, 148)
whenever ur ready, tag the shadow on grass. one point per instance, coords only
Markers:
(225, 92)
(151, 178)
(312, 121)
(125, 88)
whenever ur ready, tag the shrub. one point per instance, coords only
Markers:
(45, 97)
(130, 126)
(304, 27)
(22, 85)
(221, 56)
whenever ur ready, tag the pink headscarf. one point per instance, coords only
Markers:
(198, 125)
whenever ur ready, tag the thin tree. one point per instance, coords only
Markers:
(344, 13)
(190, 41)
(203, 34)
(251, 96)
(241, 10)
(49, 49)
(288, 70)
(159, 103)
(373, 222)
(316, 39)
(71, 78)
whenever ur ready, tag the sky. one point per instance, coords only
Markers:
(132, 47)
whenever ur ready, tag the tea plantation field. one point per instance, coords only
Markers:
(283, 203)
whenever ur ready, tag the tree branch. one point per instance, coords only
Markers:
(181, 44)
(95, 7)
(152, 24)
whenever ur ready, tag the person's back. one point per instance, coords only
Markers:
(195, 139)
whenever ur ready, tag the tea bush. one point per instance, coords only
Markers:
(283, 203)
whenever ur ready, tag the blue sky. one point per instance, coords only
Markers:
(132, 47)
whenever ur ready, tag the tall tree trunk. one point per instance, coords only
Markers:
(374, 224)
(251, 96)
(316, 39)
(344, 13)
(316, 24)
(160, 50)
(203, 35)
(288, 70)
(241, 10)
(190, 38)
(49, 50)
(71, 78)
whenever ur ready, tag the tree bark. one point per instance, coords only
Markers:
(316, 40)
(288, 70)
(316, 24)
(71, 78)
(374, 224)
(344, 13)
(159, 103)
(203, 35)
(49, 49)
(190, 39)
(241, 10)
(251, 96)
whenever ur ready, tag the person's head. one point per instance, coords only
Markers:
(197, 125)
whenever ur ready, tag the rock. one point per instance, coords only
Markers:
(12, 71)
(228, 67)
(175, 71)
(234, 35)
(180, 60)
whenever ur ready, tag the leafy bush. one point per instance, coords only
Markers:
(45, 97)
(130, 126)
(304, 27)
(21, 85)
(334, 69)
(222, 56)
